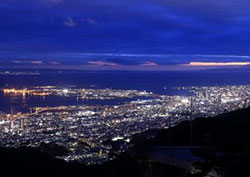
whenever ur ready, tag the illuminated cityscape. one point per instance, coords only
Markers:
(124, 88)
(88, 131)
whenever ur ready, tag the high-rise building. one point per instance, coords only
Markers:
(12, 124)
(22, 123)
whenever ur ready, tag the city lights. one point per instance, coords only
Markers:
(94, 125)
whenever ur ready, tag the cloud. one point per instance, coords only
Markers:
(69, 22)
(149, 64)
(157, 27)
(36, 62)
(218, 64)
(91, 21)
(54, 63)
(18, 62)
(101, 63)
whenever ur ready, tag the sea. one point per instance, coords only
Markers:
(160, 82)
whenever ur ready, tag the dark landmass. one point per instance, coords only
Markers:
(218, 146)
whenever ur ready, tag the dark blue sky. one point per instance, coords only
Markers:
(146, 27)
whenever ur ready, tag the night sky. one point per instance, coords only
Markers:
(123, 34)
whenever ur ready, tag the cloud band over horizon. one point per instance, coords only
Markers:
(87, 61)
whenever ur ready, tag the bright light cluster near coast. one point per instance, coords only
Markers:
(90, 132)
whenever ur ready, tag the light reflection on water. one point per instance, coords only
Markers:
(157, 82)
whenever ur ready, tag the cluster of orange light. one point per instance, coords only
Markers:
(15, 91)
(24, 92)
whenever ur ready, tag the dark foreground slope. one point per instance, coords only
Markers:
(223, 141)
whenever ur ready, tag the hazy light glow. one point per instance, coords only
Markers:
(219, 63)
(65, 91)
(185, 100)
